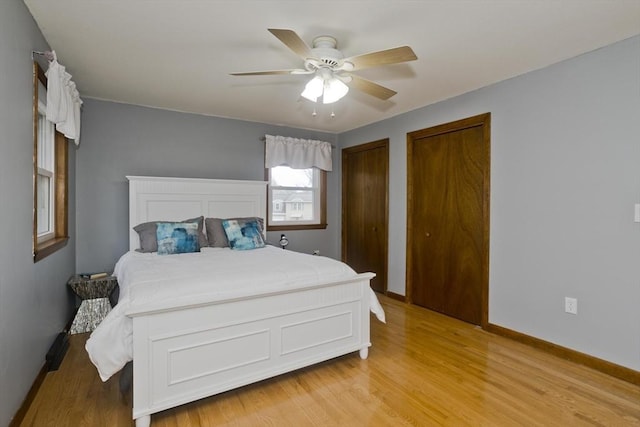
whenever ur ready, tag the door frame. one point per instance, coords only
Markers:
(483, 120)
(381, 143)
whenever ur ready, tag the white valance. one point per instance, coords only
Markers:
(297, 153)
(63, 101)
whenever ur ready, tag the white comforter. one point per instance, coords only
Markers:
(149, 281)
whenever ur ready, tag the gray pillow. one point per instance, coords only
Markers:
(215, 232)
(149, 241)
(147, 236)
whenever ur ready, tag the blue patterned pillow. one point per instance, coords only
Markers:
(243, 235)
(177, 237)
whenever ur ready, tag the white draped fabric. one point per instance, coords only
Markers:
(63, 101)
(297, 153)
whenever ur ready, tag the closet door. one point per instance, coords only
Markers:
(448, 218)
(364, 209)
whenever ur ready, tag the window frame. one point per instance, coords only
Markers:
(322, 224)
(60, 236)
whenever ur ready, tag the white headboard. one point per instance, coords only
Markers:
(174, 199)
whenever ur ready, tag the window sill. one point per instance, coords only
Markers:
(47, 248)
(296, 227)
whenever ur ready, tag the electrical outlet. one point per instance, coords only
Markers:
(570, 305)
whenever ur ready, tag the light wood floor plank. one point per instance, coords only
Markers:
(424, 369)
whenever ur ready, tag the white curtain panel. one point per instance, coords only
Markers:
(63, 101)
(297, 153)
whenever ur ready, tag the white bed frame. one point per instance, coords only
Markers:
(190, 352)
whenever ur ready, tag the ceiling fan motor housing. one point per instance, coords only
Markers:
(324, 53)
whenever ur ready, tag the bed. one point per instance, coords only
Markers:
(187, 345)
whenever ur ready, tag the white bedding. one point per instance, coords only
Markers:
(154, 282)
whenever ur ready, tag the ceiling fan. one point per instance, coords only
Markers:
(331, 70)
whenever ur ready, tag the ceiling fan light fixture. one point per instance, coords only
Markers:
(326, 85)
(313, 90)
(334, 89)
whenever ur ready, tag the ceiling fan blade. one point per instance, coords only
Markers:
(292, 41)
(273, 72)
(373, 89)
(382, 57)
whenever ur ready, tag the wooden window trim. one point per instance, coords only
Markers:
(323, 208)
(61, 167)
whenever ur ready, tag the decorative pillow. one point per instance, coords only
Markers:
(148, 239)
(243, 235)
(215, 232)
(177, 237)
(147, 236)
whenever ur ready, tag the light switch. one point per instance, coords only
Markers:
(636, 215)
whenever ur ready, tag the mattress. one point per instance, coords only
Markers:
(150, 282)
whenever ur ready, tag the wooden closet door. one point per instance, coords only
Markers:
(447, 228)
(364, 210)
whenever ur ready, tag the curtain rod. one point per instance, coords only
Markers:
(47, 54)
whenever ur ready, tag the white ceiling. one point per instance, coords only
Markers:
(177, 54)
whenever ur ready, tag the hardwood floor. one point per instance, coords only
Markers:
(423, 369)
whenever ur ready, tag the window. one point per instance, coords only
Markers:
(45, 204)
(50, 179)
(298, 198)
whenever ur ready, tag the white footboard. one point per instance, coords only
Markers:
(185, 354)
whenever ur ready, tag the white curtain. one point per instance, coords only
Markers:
(63, 101)
(297, 153)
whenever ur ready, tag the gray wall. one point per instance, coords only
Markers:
(34, 301)
(565, 175)
(120, 140)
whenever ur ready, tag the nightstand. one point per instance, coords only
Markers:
(95, 305)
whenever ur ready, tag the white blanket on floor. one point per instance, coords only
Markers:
(149, 281)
